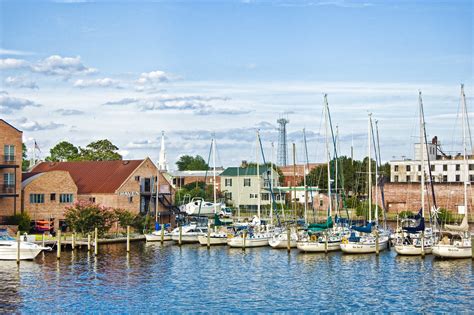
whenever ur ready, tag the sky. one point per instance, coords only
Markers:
(80, 71)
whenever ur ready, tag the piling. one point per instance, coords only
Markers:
(88, 242)
(422, 244)
(162, 233)
(42, 239)
(96, 242)
(58, 254)
(326, 242)
(18, 240)
(472, 246)
(377, 249)
(180, 241)
(244, 235)
(288, 237)
(73, 241)
(208, 234)
(128, 238)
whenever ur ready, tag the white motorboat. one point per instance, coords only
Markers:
(198, 206)
(279, 240)
(365, 244)
(9, 248)
(189, 233)
(156, 236)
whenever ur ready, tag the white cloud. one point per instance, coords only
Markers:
(62, 66)
(11, 63)
(102, 83)
(153, 77)
(8, 103)
(11, 52)
(69, 112)
(20, 82)
(30, 125)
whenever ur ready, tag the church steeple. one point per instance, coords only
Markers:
(162, 164)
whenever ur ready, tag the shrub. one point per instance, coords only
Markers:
(362, 210)
(84, 217)
(22, 220)
(406, 214)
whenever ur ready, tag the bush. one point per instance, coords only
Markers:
(445, 215)
(84, 217)
(22, 220)
(406, 214)
(362, 210)
(126, 218)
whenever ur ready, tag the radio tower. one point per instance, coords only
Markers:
(282, 142)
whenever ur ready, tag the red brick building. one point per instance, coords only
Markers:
(293, 175)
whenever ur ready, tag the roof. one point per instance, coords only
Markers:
(94, 176)
(27, 178)
(245, 171)
(10, 125)
(210, 173)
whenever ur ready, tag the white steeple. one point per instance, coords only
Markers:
(162, 164)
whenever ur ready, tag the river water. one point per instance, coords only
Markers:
(156, 278)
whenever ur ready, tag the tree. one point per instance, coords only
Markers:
(190, 163)
(63, 151)
(25, 163)
(102, 150)
(84, 217)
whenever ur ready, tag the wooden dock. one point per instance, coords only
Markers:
(67, 242)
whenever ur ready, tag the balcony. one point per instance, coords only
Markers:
(7, 190)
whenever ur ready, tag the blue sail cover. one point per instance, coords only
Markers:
(419, 228)
(364, 229)
(419, 215)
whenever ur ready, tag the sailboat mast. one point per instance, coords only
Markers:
(258, 177)
(370, 167)
(336, 203)
(214, 173)
(422, 149)
(328, 157)
(304, 180)
(380, 164)
(376, 177)
(271, 183)
(466, 166)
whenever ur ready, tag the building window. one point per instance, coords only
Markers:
(395, 179)
(266, 183)
(52, 197)
(9, 179)
(92, 199)
(445, 178)
(395, 168)
(130, 199)
(66, 198)
(408, 168)
(228, 182)
(445, 167)
(432, 168)
(458, 178)
(247, 182)
(265, 196)
(408, 178)
(228, 196)
(458, 167)
(253, 196)
(471, 178)
(36, 198)
(9, 151)
(419, 178)
(137, 178)
(419, 168)
(471, 167)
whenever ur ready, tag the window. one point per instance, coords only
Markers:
(9, 151)
(419, 168)
(395, 179)
(266, 183)
(247, 182)
(408, 178)
(265, 196)
(52, 197)
(9, 179)
(36, 198)
(130, 199)
(228, 196)
(471, 167)
(458, 167)
(66, 198)
(471, 178)
(445, 178)
(419, 178)
(408, 168)
(458, 178)
(92, 199)
(395, 168)
(228, 182)
(137, 178)
(432, 168)
(445, 167)
(253, 196)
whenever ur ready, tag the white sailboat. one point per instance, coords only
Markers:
(9, 248)
(189, 233)
(456, 240)
(363, 240)
(417, 240)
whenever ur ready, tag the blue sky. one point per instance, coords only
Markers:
(85, 70)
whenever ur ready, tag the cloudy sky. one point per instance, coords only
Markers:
(87, 70)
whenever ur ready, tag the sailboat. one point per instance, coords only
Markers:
(257, 234)
(214, 237)
(322, 237)
(417, 240)
(365, 240)
(456, 239)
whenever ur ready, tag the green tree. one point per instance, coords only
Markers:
(63, 151)
(25, 163)
(84, 217)
(22, 220)
(102, 150)
(190, 163)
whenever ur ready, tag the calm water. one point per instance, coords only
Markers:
(191, 279)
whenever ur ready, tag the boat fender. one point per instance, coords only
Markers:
(344, 240)
(313, 237)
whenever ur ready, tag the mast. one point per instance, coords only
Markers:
(214, 173)
(381, 186)
(294, 178)
(336, 203)
(258, 177)
(328, 155)
(238, 192)
(271, 183)
(370, 167)
(422, 158)
(376, 178)
(466, 165)
(304, 179)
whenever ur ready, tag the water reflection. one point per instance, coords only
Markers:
(165, 277)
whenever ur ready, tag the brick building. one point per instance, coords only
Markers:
(182, 178)
(293, 175)
(46, 195)
(10, 169)
(127, 184)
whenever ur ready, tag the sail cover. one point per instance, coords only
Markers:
(321, 226)
(420, 227)
(364, 229)
(463, 227)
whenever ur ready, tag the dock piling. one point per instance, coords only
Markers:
(326, 242)
(472, 246)
(73, 241)
(42, 239)
(377, 249)
(162, 233)
(58, 253)
(288, 239)
(180, 235)
(18, 247)
(128, 238)
(208, 234)
(244, 235)
(422, 244)
(96, 242)
(88, 242)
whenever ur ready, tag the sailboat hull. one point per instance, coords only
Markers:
(361, 248)
(280, 241)
(249, 242)
(213, 240)
(186, 238)
(154, 237)
(411, 250)
(318, 247)
(451, 251)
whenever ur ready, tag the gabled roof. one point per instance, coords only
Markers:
(245, 171)
(6, 123)
(94, 176)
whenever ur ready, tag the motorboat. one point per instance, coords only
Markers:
(200, 207)
(189, 233)
(158, 235)
(9, 248)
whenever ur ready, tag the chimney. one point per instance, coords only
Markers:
(434, 140)
(244, 164)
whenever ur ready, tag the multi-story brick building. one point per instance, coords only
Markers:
(11, 156)
(182, 178)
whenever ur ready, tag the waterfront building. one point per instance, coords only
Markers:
(124, 184)
(182, 178)
(293, 175)
(11, 158)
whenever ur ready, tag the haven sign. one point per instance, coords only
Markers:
(129, 193)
